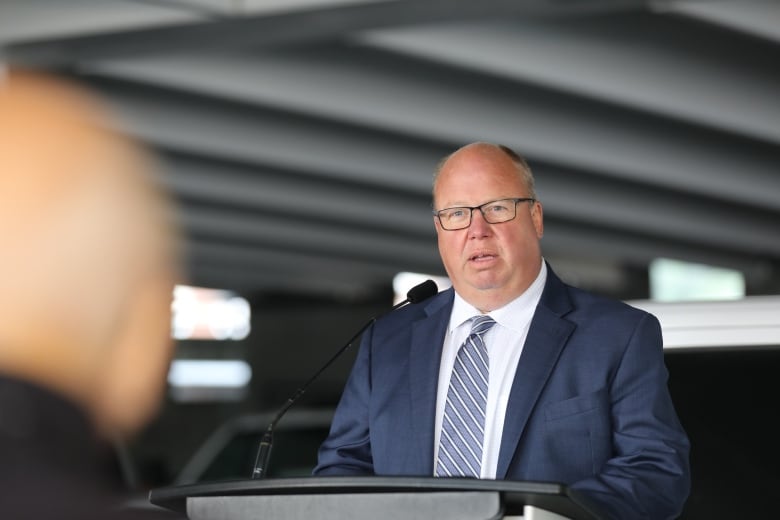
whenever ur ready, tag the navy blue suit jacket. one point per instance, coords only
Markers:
(589, 406)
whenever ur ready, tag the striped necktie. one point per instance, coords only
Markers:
(463, 426)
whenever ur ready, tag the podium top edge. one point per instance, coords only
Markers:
(350, 484)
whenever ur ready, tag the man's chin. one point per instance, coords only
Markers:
(485, 283)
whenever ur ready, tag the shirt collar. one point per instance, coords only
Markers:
(515, 315)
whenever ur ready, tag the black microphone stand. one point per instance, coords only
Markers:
(264, 451)
(416, 294)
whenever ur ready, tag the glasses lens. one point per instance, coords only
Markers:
(499, 211)
(455, 218)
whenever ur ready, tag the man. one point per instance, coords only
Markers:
(576, 384)
(87, 267)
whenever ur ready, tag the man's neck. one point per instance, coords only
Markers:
(489, 300)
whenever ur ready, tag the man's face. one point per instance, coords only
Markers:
(489, 264)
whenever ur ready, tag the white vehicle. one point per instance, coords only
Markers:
(747, 323)
(724, 377)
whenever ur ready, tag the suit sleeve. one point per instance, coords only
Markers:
(347, 449)
(649, 474)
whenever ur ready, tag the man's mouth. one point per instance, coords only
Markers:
(481, 257)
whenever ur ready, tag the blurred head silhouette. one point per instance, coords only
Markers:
(87, 255)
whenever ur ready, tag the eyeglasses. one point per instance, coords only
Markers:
(494, 212)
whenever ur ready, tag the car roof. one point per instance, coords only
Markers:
(753, 321)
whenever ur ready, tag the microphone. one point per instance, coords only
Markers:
(416, 294)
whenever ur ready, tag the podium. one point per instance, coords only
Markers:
(374, 498)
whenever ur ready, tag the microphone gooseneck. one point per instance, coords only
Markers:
(416, 294)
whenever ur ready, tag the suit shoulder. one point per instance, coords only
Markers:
(591, 303)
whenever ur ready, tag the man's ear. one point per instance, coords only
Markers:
(538, 218)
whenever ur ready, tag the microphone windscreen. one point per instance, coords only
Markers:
(422, 291)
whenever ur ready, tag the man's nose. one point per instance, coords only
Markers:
(479, 226)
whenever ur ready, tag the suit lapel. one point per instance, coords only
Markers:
(425, 358)
(547, 336)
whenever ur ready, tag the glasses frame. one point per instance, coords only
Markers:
(516, 200)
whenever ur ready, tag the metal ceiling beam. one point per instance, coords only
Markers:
(274, 29)
(315, 238)
(28, 21)
(757, 18)
(303, 282)
(276, 267)
(298, 198)
(571, 239)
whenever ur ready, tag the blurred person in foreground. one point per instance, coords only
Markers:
(557, 384)
(88, 260)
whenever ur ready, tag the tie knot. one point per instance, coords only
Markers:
(481, 324)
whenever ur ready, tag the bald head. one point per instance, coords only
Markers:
(87, 255)
(520, 165)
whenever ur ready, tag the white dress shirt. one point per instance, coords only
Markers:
(504, 342)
